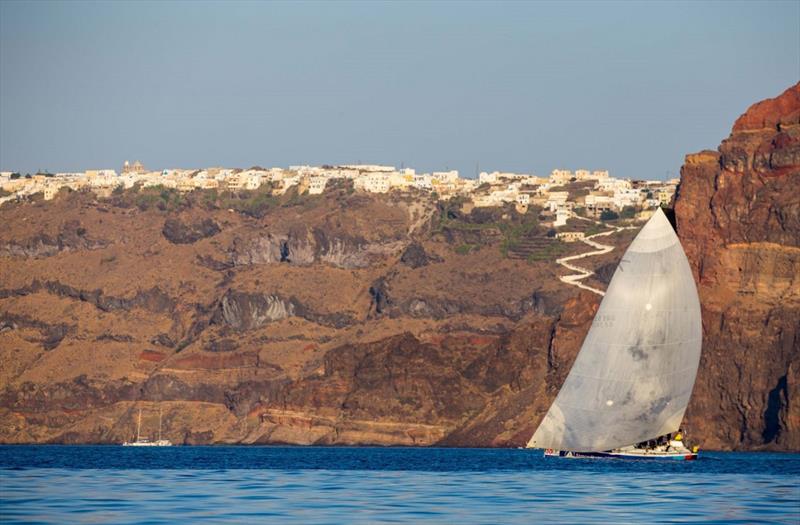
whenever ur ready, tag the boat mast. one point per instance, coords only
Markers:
(139, 426)
(159, 423)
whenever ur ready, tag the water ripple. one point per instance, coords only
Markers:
(734, 488)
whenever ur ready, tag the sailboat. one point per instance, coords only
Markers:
(145, 442)
(626, 394)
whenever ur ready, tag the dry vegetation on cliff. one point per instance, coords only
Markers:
(342, 318)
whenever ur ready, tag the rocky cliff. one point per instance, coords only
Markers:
(738, 216)
(353, 319)
(340, 318)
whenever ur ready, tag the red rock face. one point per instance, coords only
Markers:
(770, 113)
(738, 216)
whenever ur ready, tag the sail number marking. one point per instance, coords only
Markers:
(604, 320)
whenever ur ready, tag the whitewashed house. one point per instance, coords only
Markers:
(563, 213)
(487, 178)
(598, 203)
(376, 182)
(560, 177)
(50, 191)
(570, 236)
(627, 197)
(556, 199)
(316, 184)
(423, 182)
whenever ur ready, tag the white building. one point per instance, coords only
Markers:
(316, 185)
(252, 179)
(369, 168)
(306, 170)
(376, 182)
(50, 191)
(560, 177)
(423, 182)
(598, 203)
(584, 175)
(401, 180)
(271, 175)
(501, 196)
(235, 181)
(627, 197)
(445, 177)
(101, 178)
(556, 199)
(252, 182)
(562, 215)
(605, 184)
(288, 182)
(487, 178)
(467, 186)
(612, 184)
(129, 179)
(570, 236)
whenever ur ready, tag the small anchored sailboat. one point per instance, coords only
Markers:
(144, 441)
(626, 394)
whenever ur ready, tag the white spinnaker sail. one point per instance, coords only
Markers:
(636, 369)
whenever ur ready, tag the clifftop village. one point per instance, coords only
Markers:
(563, 195)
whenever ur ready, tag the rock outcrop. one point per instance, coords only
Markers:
(738, 216)
(415, 256)
(71, 237)
(302, 248)
(246, 311)
(178, 232)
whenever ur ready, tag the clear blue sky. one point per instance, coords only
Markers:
(629, 87)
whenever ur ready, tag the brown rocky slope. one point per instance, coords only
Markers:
(353, 319)
(341, 318)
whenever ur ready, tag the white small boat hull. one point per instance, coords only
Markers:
(159, 443)
(680, 455)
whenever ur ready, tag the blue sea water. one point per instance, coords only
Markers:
(107, 484)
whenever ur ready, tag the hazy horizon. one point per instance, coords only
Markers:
(526, 87)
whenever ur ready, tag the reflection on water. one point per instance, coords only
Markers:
(552, 490)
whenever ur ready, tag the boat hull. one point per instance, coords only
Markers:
(644, 455)
(159, 443)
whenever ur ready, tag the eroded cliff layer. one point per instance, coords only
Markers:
(338, 319)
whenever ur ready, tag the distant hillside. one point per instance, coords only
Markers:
(348, 318)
